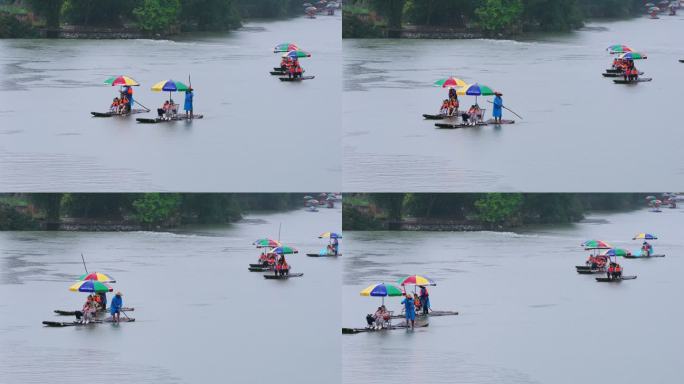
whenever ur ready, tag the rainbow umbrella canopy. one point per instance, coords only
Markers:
(596, 244)
(90, 286)
(618, 48)
(284, 250)
(169, 86)
(267, 243)
(297, 54)
(645, 236)
(451, 82)
(415, 280)
(285, 47)
(97, 276)
(382, 290)
(330, 235)
(616, 252)
(121, 80)
(633, 56)
(476, 90)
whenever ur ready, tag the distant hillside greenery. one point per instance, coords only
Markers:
(153, 16)
(495, 17)
(370, 211)
(24, 211)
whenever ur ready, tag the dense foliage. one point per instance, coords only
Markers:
(147, 209)
(491, 16)
(487, 209)
(152, 16)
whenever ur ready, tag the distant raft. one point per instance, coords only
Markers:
(641, 80)
(144, 120)
(297, 78)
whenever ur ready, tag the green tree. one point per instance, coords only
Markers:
(49, 203)
(499, 208)
(154, 209)
(51, 10)
(98, 12)
(157, 16)
(209, 15)
(392, 10)
(391, 203)
(497, 16)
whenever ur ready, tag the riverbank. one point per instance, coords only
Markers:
(415, 20)
(133, 212)
(475, 212)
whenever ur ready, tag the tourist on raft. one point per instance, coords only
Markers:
(281, 267)
(89, 309)
(188, 103)
(103, 300)
(409, 310)
(115, 307)
(379, 318)
(444, 110)
(114, 107)
(614, 271)
(646, 249)
(497, 111)
(473, 116)
(424, 299)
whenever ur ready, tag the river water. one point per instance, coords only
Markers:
(201, 317)
(575, 122)
(525, 315)
(50, 142)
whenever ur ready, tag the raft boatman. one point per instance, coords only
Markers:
(115, 307)
(497, 111)
(646, 249)
(188, 103)
(409, 310)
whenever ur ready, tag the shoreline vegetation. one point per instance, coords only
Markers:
(133, 211)
(468, 19)
(476, 211)
(123, 19)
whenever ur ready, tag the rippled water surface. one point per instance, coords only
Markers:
(575, 123)
(200, 315)
(253, 124)
(525, 316)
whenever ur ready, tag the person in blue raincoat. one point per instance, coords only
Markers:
(188, 103)
(498, 107)
(424, 299)
(115, 307)
(409, 310)
(335, 246)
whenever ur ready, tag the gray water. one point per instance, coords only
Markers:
(525, 316)
(576, 123)
(254, 125)
(201, 317)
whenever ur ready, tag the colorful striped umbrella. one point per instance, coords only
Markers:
(618, 48)
(297, 54)
(97, 276)
(90, 286)
(476, 90)
(285, 47)
(121, 80)
(451, 82)
(415, 280)
(596, 244)
(382, 290)
(645, 236)
(267, 243)
(633, 56)
(330, 235)
(284, 250)
(169, 86)
(616, 252)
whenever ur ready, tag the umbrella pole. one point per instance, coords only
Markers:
(84, 264)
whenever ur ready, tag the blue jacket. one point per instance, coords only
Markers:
(188, 101)
(498, 105)
(117, 303)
